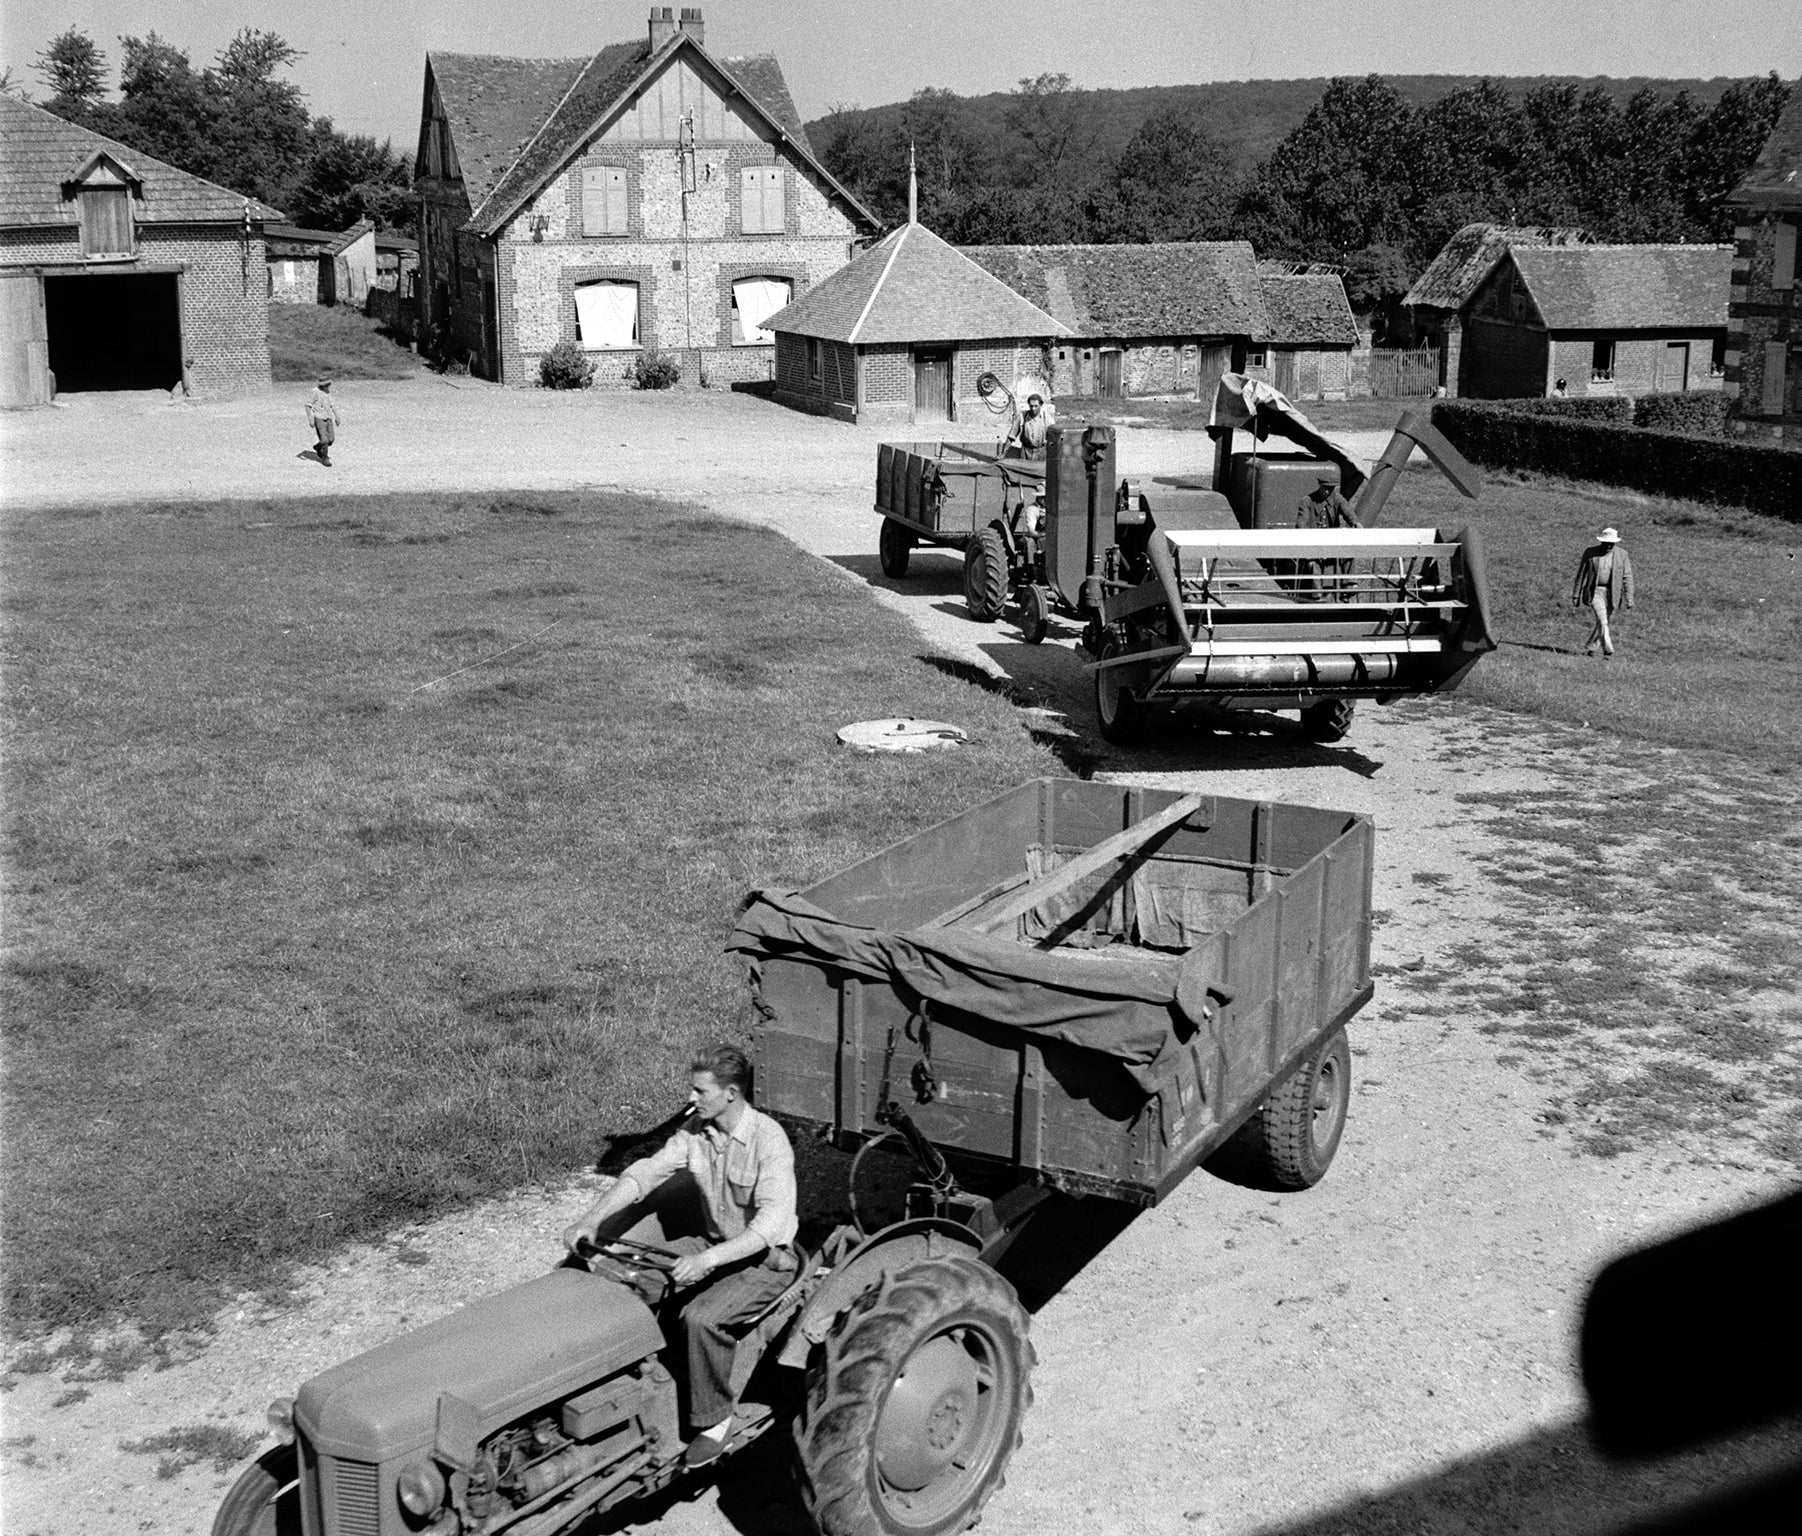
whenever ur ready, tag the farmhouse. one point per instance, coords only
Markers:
(1764, 348)
(1518, 311)
(1306, 351)
(120, 272)
(318, 266)
(1164, 319)
(649, 197)
(904, 332)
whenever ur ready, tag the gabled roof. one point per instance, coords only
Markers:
(1628, 287)
(340, 243)
(1454, 275)
(912, 286)
(1307, 307)
(1775, 180)
(1185, 288)
(40, 151)
(526, 119)
(494, 106)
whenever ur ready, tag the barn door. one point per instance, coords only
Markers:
(1111, 374)
(1675, 373)
(1282, 369)
(932, 386)
(25, 363)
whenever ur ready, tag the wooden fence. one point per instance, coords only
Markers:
(1403, 373)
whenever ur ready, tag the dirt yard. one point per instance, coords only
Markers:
(1391, 1351)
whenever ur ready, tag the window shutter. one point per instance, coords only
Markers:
(1771, 398)
(773, 221)
(105, 221)
(750, 200)
(1783, 256)
(616, 201)
(603, 200)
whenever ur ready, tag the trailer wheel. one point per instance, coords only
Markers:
(1035, 615)
(985, 576)
(1117, 709)
(1328, 720)
(916, 1402)
(893, 547)
(1294, 1136)
(265, 1500)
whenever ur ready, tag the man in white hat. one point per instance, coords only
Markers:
(1604, 584)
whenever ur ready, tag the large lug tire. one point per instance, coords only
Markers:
(1328, 720)
(265, 1500)
(1294, 1136)
(985, 575)
(1118, 710)
(915, 1403)
(893, 547)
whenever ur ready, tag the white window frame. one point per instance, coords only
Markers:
(591, 343)
(1598, 373)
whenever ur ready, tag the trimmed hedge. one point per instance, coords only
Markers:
(1582, 408)
(1695, 411)
(1499, 433)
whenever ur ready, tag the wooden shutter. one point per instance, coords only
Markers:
(1776, 356)
(760, 200)
(105, 221)
(603, 200)
(1783, 256)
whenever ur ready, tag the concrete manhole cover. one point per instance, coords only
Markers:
(904, 734)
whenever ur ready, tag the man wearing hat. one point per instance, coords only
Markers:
(322, 412)
(1323, 507)
(1604, 583)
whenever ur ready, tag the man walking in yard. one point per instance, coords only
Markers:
(1604, 584)
(744, 1169)
(322, 411)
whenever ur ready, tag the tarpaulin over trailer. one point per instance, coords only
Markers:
(1137, 1010)
(1253, 406)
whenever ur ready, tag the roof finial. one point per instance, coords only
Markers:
(913, 187)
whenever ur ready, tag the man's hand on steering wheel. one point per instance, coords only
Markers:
(692, 1268)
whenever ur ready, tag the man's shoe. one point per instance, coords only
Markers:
(703, 1449)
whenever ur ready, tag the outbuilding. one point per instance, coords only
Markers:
(904, 333)
(1165, 319)
(1306, 351)
(1764, 356)
(120, 272)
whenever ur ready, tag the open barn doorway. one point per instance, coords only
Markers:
(118, 331)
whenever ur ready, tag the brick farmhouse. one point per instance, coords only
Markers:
(903, 334)
(120, 272)
(1306, 350)
(1517, 311)
(649, 196)
(1764, 350)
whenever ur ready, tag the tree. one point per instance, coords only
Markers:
(348, 177)
(263, 131)
(1173, 181)
(1725, 142)
(74, 69)
(165, 108)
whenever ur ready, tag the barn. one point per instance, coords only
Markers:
(120, 272)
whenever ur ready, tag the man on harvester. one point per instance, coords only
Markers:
(1323, 507)
(744, 1170)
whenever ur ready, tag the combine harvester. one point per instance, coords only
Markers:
(1194, 594)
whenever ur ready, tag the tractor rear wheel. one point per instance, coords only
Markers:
(1117, 708)
(1292, 1139)
(985, 575)
(893, 547)
(916, 1402)
(265, 1500)
(1328, 720)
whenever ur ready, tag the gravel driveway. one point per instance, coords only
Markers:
(1391, 1351)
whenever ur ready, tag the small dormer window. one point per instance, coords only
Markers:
(102, 192)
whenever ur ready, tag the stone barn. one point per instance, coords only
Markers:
(647, 198)
(1307, 350)
(904, 332)
(1764, 348)
(1164, 319)
(120, 272)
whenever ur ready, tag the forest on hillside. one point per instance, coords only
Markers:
(1369, 175)
(235, 122)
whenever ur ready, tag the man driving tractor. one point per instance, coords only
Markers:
(743, 1169)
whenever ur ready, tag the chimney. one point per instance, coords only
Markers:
(663, 26)
(692, 26)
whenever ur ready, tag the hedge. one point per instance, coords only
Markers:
(1499, 433)
(1698, 411)
(1580, 408)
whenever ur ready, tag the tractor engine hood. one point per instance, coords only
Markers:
(503, 1355)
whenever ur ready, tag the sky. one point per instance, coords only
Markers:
(363, 63)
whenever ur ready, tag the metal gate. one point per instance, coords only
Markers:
(1401, 373)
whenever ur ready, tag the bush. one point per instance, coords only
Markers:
(1702, 412)
(1586, 408)
(652, 369)
(1765, 479)
(565, 366)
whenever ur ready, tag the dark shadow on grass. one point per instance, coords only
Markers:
(1065, 744)
(1555, 650)
(923, 576)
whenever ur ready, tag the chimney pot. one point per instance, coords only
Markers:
(691, 24)
(663, 26)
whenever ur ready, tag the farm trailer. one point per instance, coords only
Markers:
(1077, 987)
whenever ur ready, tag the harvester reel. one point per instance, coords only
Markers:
(915, 1403)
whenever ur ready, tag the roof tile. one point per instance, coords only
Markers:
(1775, 180)
(1180, 288)
(1455, 274)
(1308, 307)
(1628, 287)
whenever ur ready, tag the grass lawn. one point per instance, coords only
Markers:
(368, 855)
(310, 341)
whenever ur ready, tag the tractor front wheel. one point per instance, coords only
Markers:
(1035, 615)
(1328, 720)
(916, 1403)
(265, 1500)
(893, 547)
(985, 575)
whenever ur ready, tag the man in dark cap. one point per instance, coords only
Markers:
(1323, 507)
